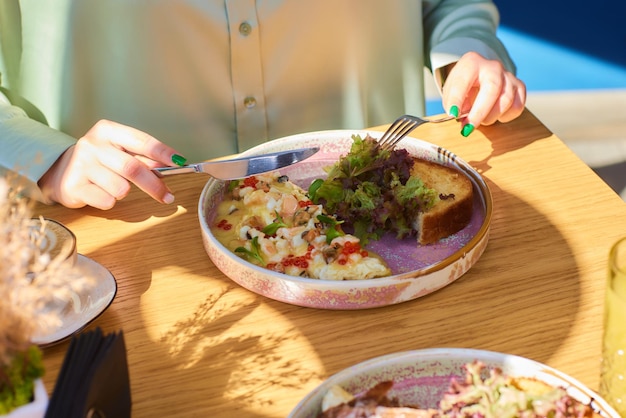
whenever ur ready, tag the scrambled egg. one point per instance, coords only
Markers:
(271, 222)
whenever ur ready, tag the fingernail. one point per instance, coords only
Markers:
(467, 129)
(168, 198)
(454, 111)
(178, 159)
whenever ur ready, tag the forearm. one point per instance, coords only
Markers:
(454, 27)
(29, 148)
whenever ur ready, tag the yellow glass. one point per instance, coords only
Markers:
(613, 378)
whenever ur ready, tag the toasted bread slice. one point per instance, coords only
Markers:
(454, 209)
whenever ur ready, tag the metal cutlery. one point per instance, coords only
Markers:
(237, 168)
(404, 125)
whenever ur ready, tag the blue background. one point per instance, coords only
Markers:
(563, 45)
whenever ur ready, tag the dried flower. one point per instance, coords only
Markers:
(32, 284)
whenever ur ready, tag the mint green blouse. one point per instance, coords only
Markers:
(211, 77)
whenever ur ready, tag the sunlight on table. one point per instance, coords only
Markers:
(211, 318)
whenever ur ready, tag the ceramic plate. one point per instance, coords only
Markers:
(421, 376)
(417, 270)
(76, 315)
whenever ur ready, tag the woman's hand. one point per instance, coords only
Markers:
(97, 171)
(485, 90)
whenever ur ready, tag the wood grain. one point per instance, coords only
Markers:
(199, 345)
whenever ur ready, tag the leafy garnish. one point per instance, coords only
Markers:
(232, 185)
(372, 190)
(270, 229)
(316, 184)
(255, 253)
(334, 230)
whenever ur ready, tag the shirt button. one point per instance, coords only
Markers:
(249, 102)
(245, 28)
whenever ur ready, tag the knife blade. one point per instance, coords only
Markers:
(237, 168)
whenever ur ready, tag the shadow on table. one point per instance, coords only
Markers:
(503, 321)
(258, 361)
(258, 364)
(508, 139)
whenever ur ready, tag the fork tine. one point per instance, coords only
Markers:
(408, 128)
(390, 132)
(394, 130)
(402, 126)
(398, 130)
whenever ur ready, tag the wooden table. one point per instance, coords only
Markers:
(200, 345)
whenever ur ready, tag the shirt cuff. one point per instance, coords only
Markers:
(451, 50)
(29, 148)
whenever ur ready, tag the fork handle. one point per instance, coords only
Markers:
(447, 118)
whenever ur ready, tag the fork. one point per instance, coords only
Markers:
(404, 125)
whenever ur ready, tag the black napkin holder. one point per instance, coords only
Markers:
(94, 380)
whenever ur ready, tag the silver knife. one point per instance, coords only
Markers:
(238, 168)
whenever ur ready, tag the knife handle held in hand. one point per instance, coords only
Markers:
(167, 171)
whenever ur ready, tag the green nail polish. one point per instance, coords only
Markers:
(178, 159)
(454, 111)
(467, 129)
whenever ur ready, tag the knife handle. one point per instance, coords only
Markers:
(168, 171)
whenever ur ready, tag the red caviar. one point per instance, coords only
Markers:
(225, 225)
(350, 248)
(250, 182)
(301, 261)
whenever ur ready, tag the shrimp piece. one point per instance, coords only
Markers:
(290, 233)
(268, 247)
(288, 207)
(253, 221)
(257, 197)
